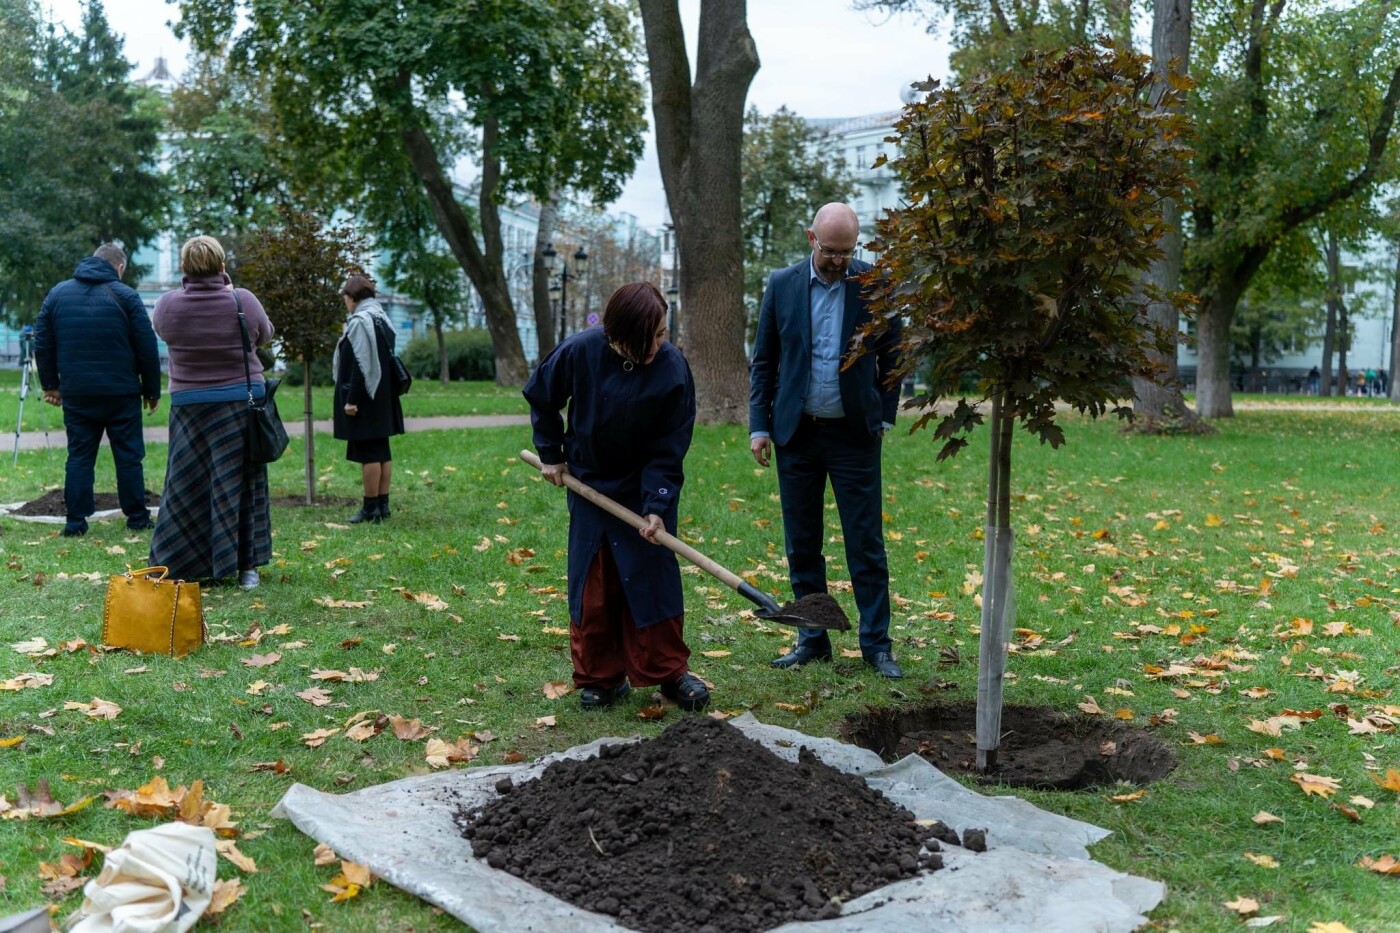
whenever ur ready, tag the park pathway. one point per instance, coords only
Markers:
(37, 440)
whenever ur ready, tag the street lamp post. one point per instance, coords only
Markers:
(559, 288)
(673, 296)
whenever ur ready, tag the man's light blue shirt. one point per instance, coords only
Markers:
(823, 380)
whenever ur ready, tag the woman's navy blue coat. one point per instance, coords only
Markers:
(627, 436)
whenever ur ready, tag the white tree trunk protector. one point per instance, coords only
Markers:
(1036, 877)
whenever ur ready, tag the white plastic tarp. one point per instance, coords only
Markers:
(1037, 875)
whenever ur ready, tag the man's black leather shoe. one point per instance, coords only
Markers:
(884, 663)
(800, 656)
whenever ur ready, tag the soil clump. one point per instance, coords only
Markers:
(1040, 747)
(699, 830)
(294, 502)
(820, 610)
(51, 503)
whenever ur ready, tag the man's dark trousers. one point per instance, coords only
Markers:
(85, 418)
(850, 455)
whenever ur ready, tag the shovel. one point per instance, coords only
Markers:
(826, 612)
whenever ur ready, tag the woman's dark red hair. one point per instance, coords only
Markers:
(633, 316)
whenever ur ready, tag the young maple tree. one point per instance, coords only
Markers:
(296, 268)
(1034, 197)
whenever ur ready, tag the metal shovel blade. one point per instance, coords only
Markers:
(818, 610)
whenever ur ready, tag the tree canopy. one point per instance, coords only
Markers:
(67, 93)
(789, 170)
(542, 94)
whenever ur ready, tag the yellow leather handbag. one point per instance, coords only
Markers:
(148, 613)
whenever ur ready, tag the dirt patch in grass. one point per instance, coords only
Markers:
(299, 502)
(51, 503)
(700, 830)
(1040, 747)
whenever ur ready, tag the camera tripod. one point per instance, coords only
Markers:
(27, 366)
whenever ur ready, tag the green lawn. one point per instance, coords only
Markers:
(1257, 557)
(425, 399)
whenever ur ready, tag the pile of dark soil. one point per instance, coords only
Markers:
(700, 830)
(51, 503)
(820, 610)
(1040, 747)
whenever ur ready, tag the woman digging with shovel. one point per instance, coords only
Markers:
(631, 402)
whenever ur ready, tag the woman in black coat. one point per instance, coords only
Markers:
(367, 409)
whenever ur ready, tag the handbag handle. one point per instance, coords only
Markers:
(247, 347)
(131, 575)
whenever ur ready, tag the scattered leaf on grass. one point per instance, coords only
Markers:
(1346, 811)
(341, 603)
(557, 688)
(315, 696)
(262, 660)
(97, 709)
(440, 753)
(547, 721)
(1090, 706)
(1128, 798)
(229, 850)
(1385, 865)
(1315, 785)
(652, 712)
(410, 730)
(323, 854)
(1244, 906)
(26, 681)
(1263, 818)
(276, 767)
(1263, 861)
(1330, 927)
(1391, 781)
(225, 893)
(318, 738)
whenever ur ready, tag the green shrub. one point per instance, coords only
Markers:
(321, 374)
(469, 355)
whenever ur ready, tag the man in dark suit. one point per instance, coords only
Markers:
(823, 421)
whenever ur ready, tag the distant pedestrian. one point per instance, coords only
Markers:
(1360, 382)
(1382, 381)
(367, 411)
(1371, 382)
(97, 359)
(1314, 381)
(216, 519)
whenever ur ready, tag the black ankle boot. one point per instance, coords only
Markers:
(369, 512)
(384, 506)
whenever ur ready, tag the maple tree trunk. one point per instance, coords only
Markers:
(699, 134)
(444, 372)
(1160, 401)
(309, 427)
(998, 598)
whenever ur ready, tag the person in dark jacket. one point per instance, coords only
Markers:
(631, 402)
(367, 409)
(825, 415)
(97, 359)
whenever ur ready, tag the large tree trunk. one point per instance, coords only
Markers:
(1160, 402)
(545, 326)
(483, 267)
(308, 430)
(1390, 384)
(699, 135)
(1217, 312)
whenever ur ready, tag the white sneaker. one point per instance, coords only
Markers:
(248, 579)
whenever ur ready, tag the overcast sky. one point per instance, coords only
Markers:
(820, 58)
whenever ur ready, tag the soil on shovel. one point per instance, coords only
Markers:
(51, 503)
(1040, 747)
(700, 830)
(820, 610)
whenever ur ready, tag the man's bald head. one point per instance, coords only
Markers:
(836, 221)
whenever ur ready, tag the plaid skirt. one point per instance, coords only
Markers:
(215, 518)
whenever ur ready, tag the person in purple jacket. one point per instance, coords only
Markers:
(215, 520)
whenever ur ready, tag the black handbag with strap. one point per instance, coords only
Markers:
(267, 438)
(402, 378)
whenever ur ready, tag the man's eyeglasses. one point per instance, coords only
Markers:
(833, 253)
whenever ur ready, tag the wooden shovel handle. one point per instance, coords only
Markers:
(663, 537)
